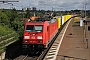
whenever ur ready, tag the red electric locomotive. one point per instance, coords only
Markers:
(39, 33)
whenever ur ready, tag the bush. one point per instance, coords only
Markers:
(4, 30)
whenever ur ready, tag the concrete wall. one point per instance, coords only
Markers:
(2, 56)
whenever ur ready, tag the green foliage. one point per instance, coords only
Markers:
(10, 27)
(4, 18)
(2, 50)
(28, 13)
(4, 30)
(10, 18)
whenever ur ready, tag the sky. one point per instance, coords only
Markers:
(48, 4)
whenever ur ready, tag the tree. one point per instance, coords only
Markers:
(27, 13)
(4, 18)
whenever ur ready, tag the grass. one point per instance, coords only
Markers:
(6, 33)
(7, 36)
(2, 50)
(8, 41)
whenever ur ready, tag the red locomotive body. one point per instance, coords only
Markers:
(39, 34)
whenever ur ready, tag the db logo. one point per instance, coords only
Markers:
(33, 37)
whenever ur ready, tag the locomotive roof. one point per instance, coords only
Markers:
(44, 19)
(34, 23)
(41, 19)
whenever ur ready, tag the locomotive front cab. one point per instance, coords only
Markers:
(33, 37)
(33, 34)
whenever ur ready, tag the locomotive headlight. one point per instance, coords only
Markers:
(26, 41)
(26, 37)
(39, 37)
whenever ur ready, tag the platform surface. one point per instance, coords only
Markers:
(74, 46)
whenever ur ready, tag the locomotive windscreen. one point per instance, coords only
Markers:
(34, 28)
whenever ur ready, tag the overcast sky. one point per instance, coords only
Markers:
(48, 4)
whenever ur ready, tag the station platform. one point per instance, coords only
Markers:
(74, 45)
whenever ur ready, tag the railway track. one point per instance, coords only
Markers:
(22, 57)
(26, 57)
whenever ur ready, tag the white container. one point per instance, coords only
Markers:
(62, 20)
(81, 22)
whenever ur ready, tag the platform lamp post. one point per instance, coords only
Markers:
(85, 8)
(84, 17)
